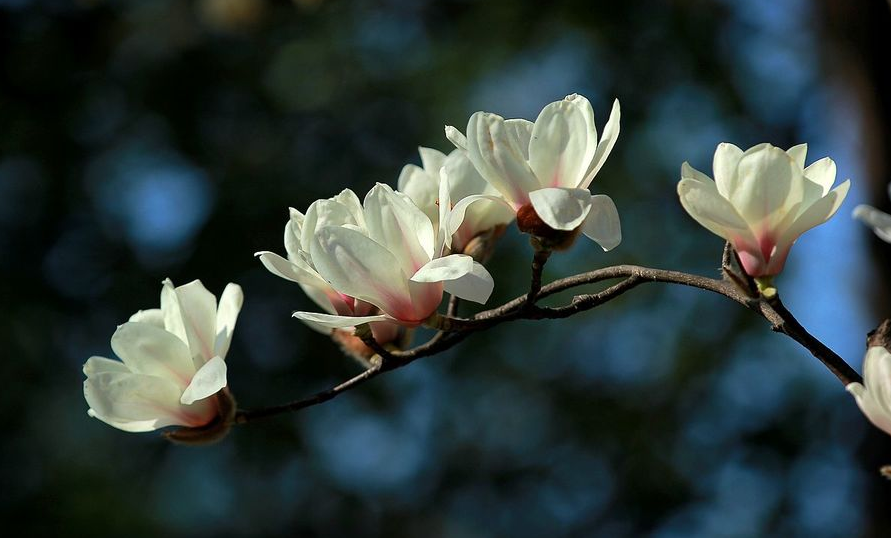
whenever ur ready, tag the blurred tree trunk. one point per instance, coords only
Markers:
(859, 48)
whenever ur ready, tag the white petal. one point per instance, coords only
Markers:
(870, 407)
(476, 286)
(299, 272)
(444, 199)
(293, 232)
(496, 153)
(769, 186)
(726, 160)
(445, 268)
(147, 349)
(418, 185)
(520, 130)
(879, 221)
(432, 160)
(396, 223)
(152, 316)
(457, 214)
(798, 154)
(206, 382)
(134, 402)
(710, 209)
(605, 146)
(345, 208)
(456, 137)
(818, 213)
(199, 314)
(338, 322)
(560, 208)
(173, 315)
(357, 266)
(602, 224)
(688, 172)
(97, 365)
(822, 173)
(227, 314)
(557, 149)
(877, 376)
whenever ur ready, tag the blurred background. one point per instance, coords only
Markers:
(151, 138)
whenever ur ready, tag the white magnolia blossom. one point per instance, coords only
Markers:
(547, 165)
(422, 185)
(345, 209)
(172, 362)
(879, 221)
(874, 395)
(388, 256)
(761, 200)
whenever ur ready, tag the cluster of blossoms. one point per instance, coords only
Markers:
(385, 262)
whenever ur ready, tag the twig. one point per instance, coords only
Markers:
(539, 259)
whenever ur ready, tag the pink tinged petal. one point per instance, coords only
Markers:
(456, 137)
(147, 349)
(476, 286)
(770, 186)
(725, 165)
(398, 225)
(798, 154)
(602, 224)
(879, 221)
(822, 173)
(496, 153)
(557, 148)
(702, 202)
(606, 144)
(359, 267)
(227, 314)
(206, 382)
(425, 300)
(136, 402)
(199, 313)
(153, 316)
(338, 322)
(561, 208)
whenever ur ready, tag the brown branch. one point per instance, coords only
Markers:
(452, 330)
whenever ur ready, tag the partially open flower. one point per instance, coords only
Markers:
(345, 209)
(761, 201)
(543, 169)
(422, 185)
(172, 370)
(391, 259)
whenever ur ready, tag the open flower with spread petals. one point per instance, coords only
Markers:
(390, 258)
(879, 221)
(761, 201)
(345, 209)
(874, 394)
(172, 370)
(422, 186)
(543, 169)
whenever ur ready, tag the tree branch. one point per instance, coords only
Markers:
(452, 330)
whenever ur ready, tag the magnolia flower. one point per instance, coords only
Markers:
(874, 399)
(879, 221)
(172, 364)
(422, 185)
(388, 256)
(761, 200)
(543, 169)
(345, 209)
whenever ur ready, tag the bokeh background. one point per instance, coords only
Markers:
(151, 138)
